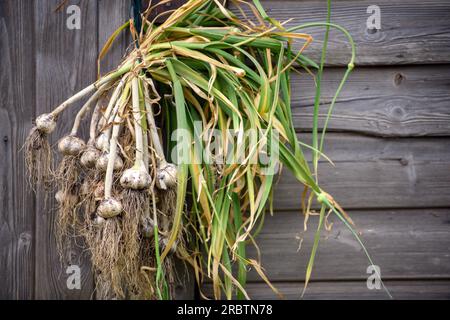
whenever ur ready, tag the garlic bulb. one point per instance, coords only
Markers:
(71, 145)
(166, 176)
(109, 208)
(102, 163)
(99, 191)
(90, 156)
(102, 142)
(135, 178)
(64, 198)
(163, 244)
(148, 227)
(98, 221)
(46, 123)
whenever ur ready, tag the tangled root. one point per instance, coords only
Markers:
(68, 173)
(67, 177)
(146, 273)
(103, 287)
(167, 204)
(171, 276)
(38, 159)
(107, 255)
(134, 203)
(66, 220)
(89, 206)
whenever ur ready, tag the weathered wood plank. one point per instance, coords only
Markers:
(411, 31)
(111, 15)
(351, 290)
(66, 62)
(17, 108)
(377, 173)
(383, 101)
(405, 244)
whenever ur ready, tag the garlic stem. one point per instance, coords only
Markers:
(111, 76)
(144, 125)
(137, 122)
(115, 111)
(94, 122)
(152, 129)
(112, 101)
(111, 159)
(113, 145)
(86, 107)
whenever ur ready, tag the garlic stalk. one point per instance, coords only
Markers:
(99, 83)
(166, 175)
(137, 177)
(91, 153)
(110, 207)
(71, 144)
(103, 140)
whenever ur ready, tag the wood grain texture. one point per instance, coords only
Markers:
(397, 101)
(112, 15)
(405, 244)
(411, 31)
(65, 63)
(351, 290)
(372, 172)
(394, 181)
(17, 94)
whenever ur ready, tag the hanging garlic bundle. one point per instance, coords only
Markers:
(121, 190)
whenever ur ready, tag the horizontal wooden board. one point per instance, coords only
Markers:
(351, 290)
(377, 173)
(411, 31)
(385, 101)
(405, 244)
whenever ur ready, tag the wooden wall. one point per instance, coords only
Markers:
(42, 63)
(389, 140)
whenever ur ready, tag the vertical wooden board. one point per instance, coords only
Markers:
(16, 111)
(112, 15)
(65, 63)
